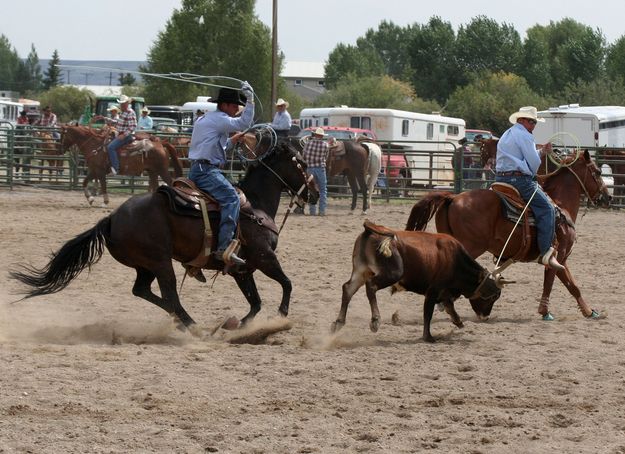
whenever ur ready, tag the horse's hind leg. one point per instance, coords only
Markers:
(353, 186)
(363, 188)
(247, 285)
(169, 301)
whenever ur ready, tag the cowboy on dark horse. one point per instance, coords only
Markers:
(207, 153)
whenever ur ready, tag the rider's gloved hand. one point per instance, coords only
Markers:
(248, 91)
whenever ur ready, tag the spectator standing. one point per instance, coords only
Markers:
(23, 119)
(315, 154)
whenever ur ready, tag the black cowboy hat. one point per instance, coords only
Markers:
(229, 95)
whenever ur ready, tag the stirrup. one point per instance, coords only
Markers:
(230, 254)
(549, 260)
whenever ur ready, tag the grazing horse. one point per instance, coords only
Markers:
(144, 233)
(360, 162)
(476, 219)
(152, 156)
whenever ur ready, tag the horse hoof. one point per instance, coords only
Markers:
(548, 317)
(374, 325)
(594, 314)
(91, 200)
(336, 326)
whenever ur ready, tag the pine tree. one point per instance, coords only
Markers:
(126, 79)
(53, 73)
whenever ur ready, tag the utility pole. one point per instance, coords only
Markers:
(274, 58)
(68, 71)
(87, 78)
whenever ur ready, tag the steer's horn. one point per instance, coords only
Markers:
(500, 281)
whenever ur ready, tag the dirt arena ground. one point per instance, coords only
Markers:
(94, 369)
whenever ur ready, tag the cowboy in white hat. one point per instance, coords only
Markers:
(126, 125)
(282, 119)
(517, 163)
(145, 122)
(315, 154)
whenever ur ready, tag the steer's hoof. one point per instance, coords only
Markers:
(374, 325)
(548, 317)
(336, 326)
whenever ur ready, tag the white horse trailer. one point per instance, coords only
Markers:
(587, 127)
(427, 140)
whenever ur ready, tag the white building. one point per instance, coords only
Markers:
(304, 78)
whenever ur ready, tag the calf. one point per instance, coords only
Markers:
(430, 264)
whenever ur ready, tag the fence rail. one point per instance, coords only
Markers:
(31, 156)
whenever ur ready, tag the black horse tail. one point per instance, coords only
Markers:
(173, 157)
(77, 254)
(426, 208)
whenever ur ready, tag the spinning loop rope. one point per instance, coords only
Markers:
(249, 149)
(562, 155)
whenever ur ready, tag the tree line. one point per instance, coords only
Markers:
(482, 72)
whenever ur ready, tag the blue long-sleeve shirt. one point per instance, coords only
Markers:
(281, 121)
(210, 137)
(516, 151)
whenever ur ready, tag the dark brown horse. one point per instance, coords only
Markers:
(616, 160)
(475, 219)
(151, 155)
(144, 234)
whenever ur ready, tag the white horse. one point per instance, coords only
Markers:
(373, 170)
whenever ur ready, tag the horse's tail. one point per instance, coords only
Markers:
(77, 254)
(426, 208)
(173, 157)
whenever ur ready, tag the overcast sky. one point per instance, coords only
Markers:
(307, 31)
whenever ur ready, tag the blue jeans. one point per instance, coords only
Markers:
(210, 179)
(319, 174)
(544, 212)
(115, 145)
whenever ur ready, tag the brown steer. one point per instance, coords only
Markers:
(430, 264)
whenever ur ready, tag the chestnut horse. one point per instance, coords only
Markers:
(154, 157)
(145, 234)
(475, 219)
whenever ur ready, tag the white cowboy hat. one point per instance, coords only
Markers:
(526, 112)
(282, 102)
(112, 108)
(146, 110)
(319, 132)
(123, 98)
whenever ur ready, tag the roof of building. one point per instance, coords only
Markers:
(303, 69)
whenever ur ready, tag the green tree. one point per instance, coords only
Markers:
(390, 42)
(488, 101)
(483, 44)
(9, 65)
(574, 52)
(126, 79)
(601, 91)
(30, 73)
(348, 62)
(53, 73)
(536, 67)
(432, 56)
(615, 59)
(67, 102)
(211, 38)
(376, 92)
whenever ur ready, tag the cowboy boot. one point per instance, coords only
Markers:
(230, 256)
(549, 260)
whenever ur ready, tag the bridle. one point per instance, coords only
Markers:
(595, 173)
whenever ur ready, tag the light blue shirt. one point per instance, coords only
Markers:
(210, 140)
(145, 122)
(281, 121)
(516, 151)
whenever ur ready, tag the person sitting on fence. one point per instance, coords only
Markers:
(126, 125)
(48, 120)
(23, 119)
(282, 119)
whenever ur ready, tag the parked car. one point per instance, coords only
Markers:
(470, 134)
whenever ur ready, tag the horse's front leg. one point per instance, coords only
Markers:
(566, 278)
(363, 188)
(270, 267)
(247, 285)
(85, 186)
(103, 189)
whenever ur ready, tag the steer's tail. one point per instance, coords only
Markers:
(81, 252)
(426, 208)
